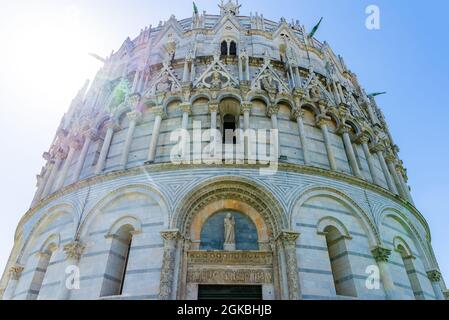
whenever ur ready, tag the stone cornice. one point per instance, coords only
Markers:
(286, 167)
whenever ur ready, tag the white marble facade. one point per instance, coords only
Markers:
(111, 203)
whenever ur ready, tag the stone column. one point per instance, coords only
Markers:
(363, 141)
(272, 113)
(378, 150)
(42, 179)
(55, 164)
(73, 252)
(344, 131)
(288, 239)
(391, 163)
(322, 123)
(213, 109)
(73, 146)
(185, 74)
(186, 112)
(168, 264)
(299, 115)
(111, 126)
(14, 276)
(246, 110)
(381, 255)
(89, 136)
(159, 114)
(134, 118)
(435, 278)
(241, 68)
(401, 174)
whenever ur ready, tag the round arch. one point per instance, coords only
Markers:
(245, 194)
(145, 190)
(367, 224)
(428, 260)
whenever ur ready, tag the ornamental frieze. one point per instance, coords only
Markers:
(255, 258)
(229, 276)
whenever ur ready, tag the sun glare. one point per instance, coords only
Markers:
(48, 55)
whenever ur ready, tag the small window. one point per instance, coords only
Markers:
(229, 127)
(340, 264)
(224, 48)
(233, 49)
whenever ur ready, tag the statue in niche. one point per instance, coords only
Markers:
(229, 232)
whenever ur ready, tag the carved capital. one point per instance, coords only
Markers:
(111, 124)
(321, 120)
(390, 158)
(343, 128)
(74, 250)
(378, 147)
(186, 107)
(15, 271)
(289, 237)
(362, 138)
(91, 134)
(434, 275)
(298, 113)
(381, 254)
(170, 235)
(159, 111)
(246, 106)
(272, 110)
(213, 107)
(135, 116)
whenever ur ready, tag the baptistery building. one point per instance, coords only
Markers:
(223, 156)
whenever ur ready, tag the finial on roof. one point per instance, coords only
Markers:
(229, 8)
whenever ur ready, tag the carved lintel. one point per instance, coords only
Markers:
(254, 258)
(230, 276)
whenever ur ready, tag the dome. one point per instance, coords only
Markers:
(223, 155)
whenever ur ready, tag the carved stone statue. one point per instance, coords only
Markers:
(229, 232)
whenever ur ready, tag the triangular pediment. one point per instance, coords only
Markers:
(269, 80)
(314, 89)
(165, 81)
(172, 27)
(216, 76)
(228, 23)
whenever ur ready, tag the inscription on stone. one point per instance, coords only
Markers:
(230, 276)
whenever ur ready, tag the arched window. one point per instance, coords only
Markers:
(224, 48)
(213, 234)
(233, 49)
(407, 259)
(340, 265)
(113, 283)
(229, 126)
(41, 269)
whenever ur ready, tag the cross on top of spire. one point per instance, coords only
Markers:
(229, 8)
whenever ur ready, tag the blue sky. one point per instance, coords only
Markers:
(44, 62)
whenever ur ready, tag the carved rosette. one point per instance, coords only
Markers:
(288, 240)
(15, 271)
(434, 275)
(381, 254)
(168, 263)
